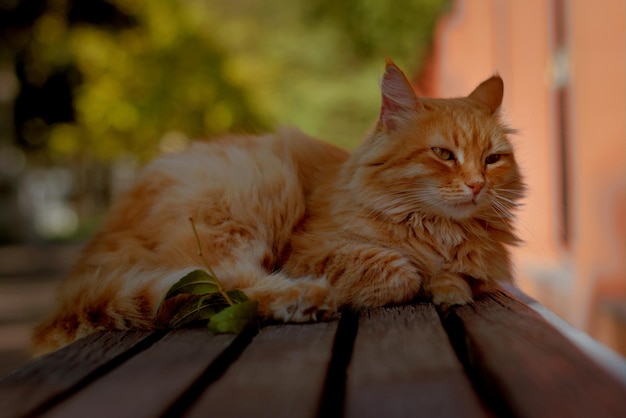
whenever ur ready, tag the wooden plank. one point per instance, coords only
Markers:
(281, 374)
(527, 367)
(403, 366)
(41, 383)
(149, 383)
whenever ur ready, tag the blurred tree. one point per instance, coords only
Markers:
(104, 78)
(106, 83)
(46, 87)
(315, 63)
(371, 28)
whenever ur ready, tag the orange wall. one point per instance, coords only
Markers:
(518, 40)
(598, 71)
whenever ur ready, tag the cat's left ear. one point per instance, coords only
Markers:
(489, 93)
(399, 99)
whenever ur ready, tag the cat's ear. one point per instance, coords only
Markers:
(489, 93)
(398, 98)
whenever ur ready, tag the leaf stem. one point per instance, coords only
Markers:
(206, 264)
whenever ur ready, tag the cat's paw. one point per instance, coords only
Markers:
(451, 290)
(314, 303)
(308, 301)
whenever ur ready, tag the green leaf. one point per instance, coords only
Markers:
(237, 296)
(197, 282)
(235, 318)
(197, 309)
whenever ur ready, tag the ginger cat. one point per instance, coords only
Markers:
(422, 207)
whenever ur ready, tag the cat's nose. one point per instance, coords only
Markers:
(476, 186)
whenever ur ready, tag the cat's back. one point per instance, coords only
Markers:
(237, 158)
(219, 161)
(251, 180)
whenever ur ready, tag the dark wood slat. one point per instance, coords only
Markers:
(39, 383)
(281, 374)
(149, 383)
(528, 368)
(404, 366)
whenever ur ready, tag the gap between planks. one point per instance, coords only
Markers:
(495, 356)
(51, 379)
(524, 367)
(403, 364)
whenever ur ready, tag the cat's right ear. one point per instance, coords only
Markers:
(399, 100)
(489, 93)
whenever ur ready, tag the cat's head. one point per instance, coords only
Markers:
(438, 157)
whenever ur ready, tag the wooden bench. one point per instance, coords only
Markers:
(496, 357)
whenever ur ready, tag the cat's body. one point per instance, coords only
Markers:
(423, 206)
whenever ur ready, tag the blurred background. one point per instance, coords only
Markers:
(91, 90)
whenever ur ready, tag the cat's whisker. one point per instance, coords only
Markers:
(517, 194)
(504, 216)
(504, 193)
(500, 199)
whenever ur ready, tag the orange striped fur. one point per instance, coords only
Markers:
(423, 207)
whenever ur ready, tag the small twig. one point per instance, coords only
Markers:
(206, 263)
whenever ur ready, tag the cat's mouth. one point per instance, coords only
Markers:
(465, 209)
(466, 204)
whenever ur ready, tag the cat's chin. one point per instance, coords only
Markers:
(462, 211)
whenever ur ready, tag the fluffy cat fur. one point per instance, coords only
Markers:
(423, 207)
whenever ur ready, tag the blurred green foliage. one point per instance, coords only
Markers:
(196, 68)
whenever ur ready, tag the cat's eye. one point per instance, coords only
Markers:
(444, 154)
(493, 158)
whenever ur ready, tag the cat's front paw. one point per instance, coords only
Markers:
(450, 290)
(305, 301)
